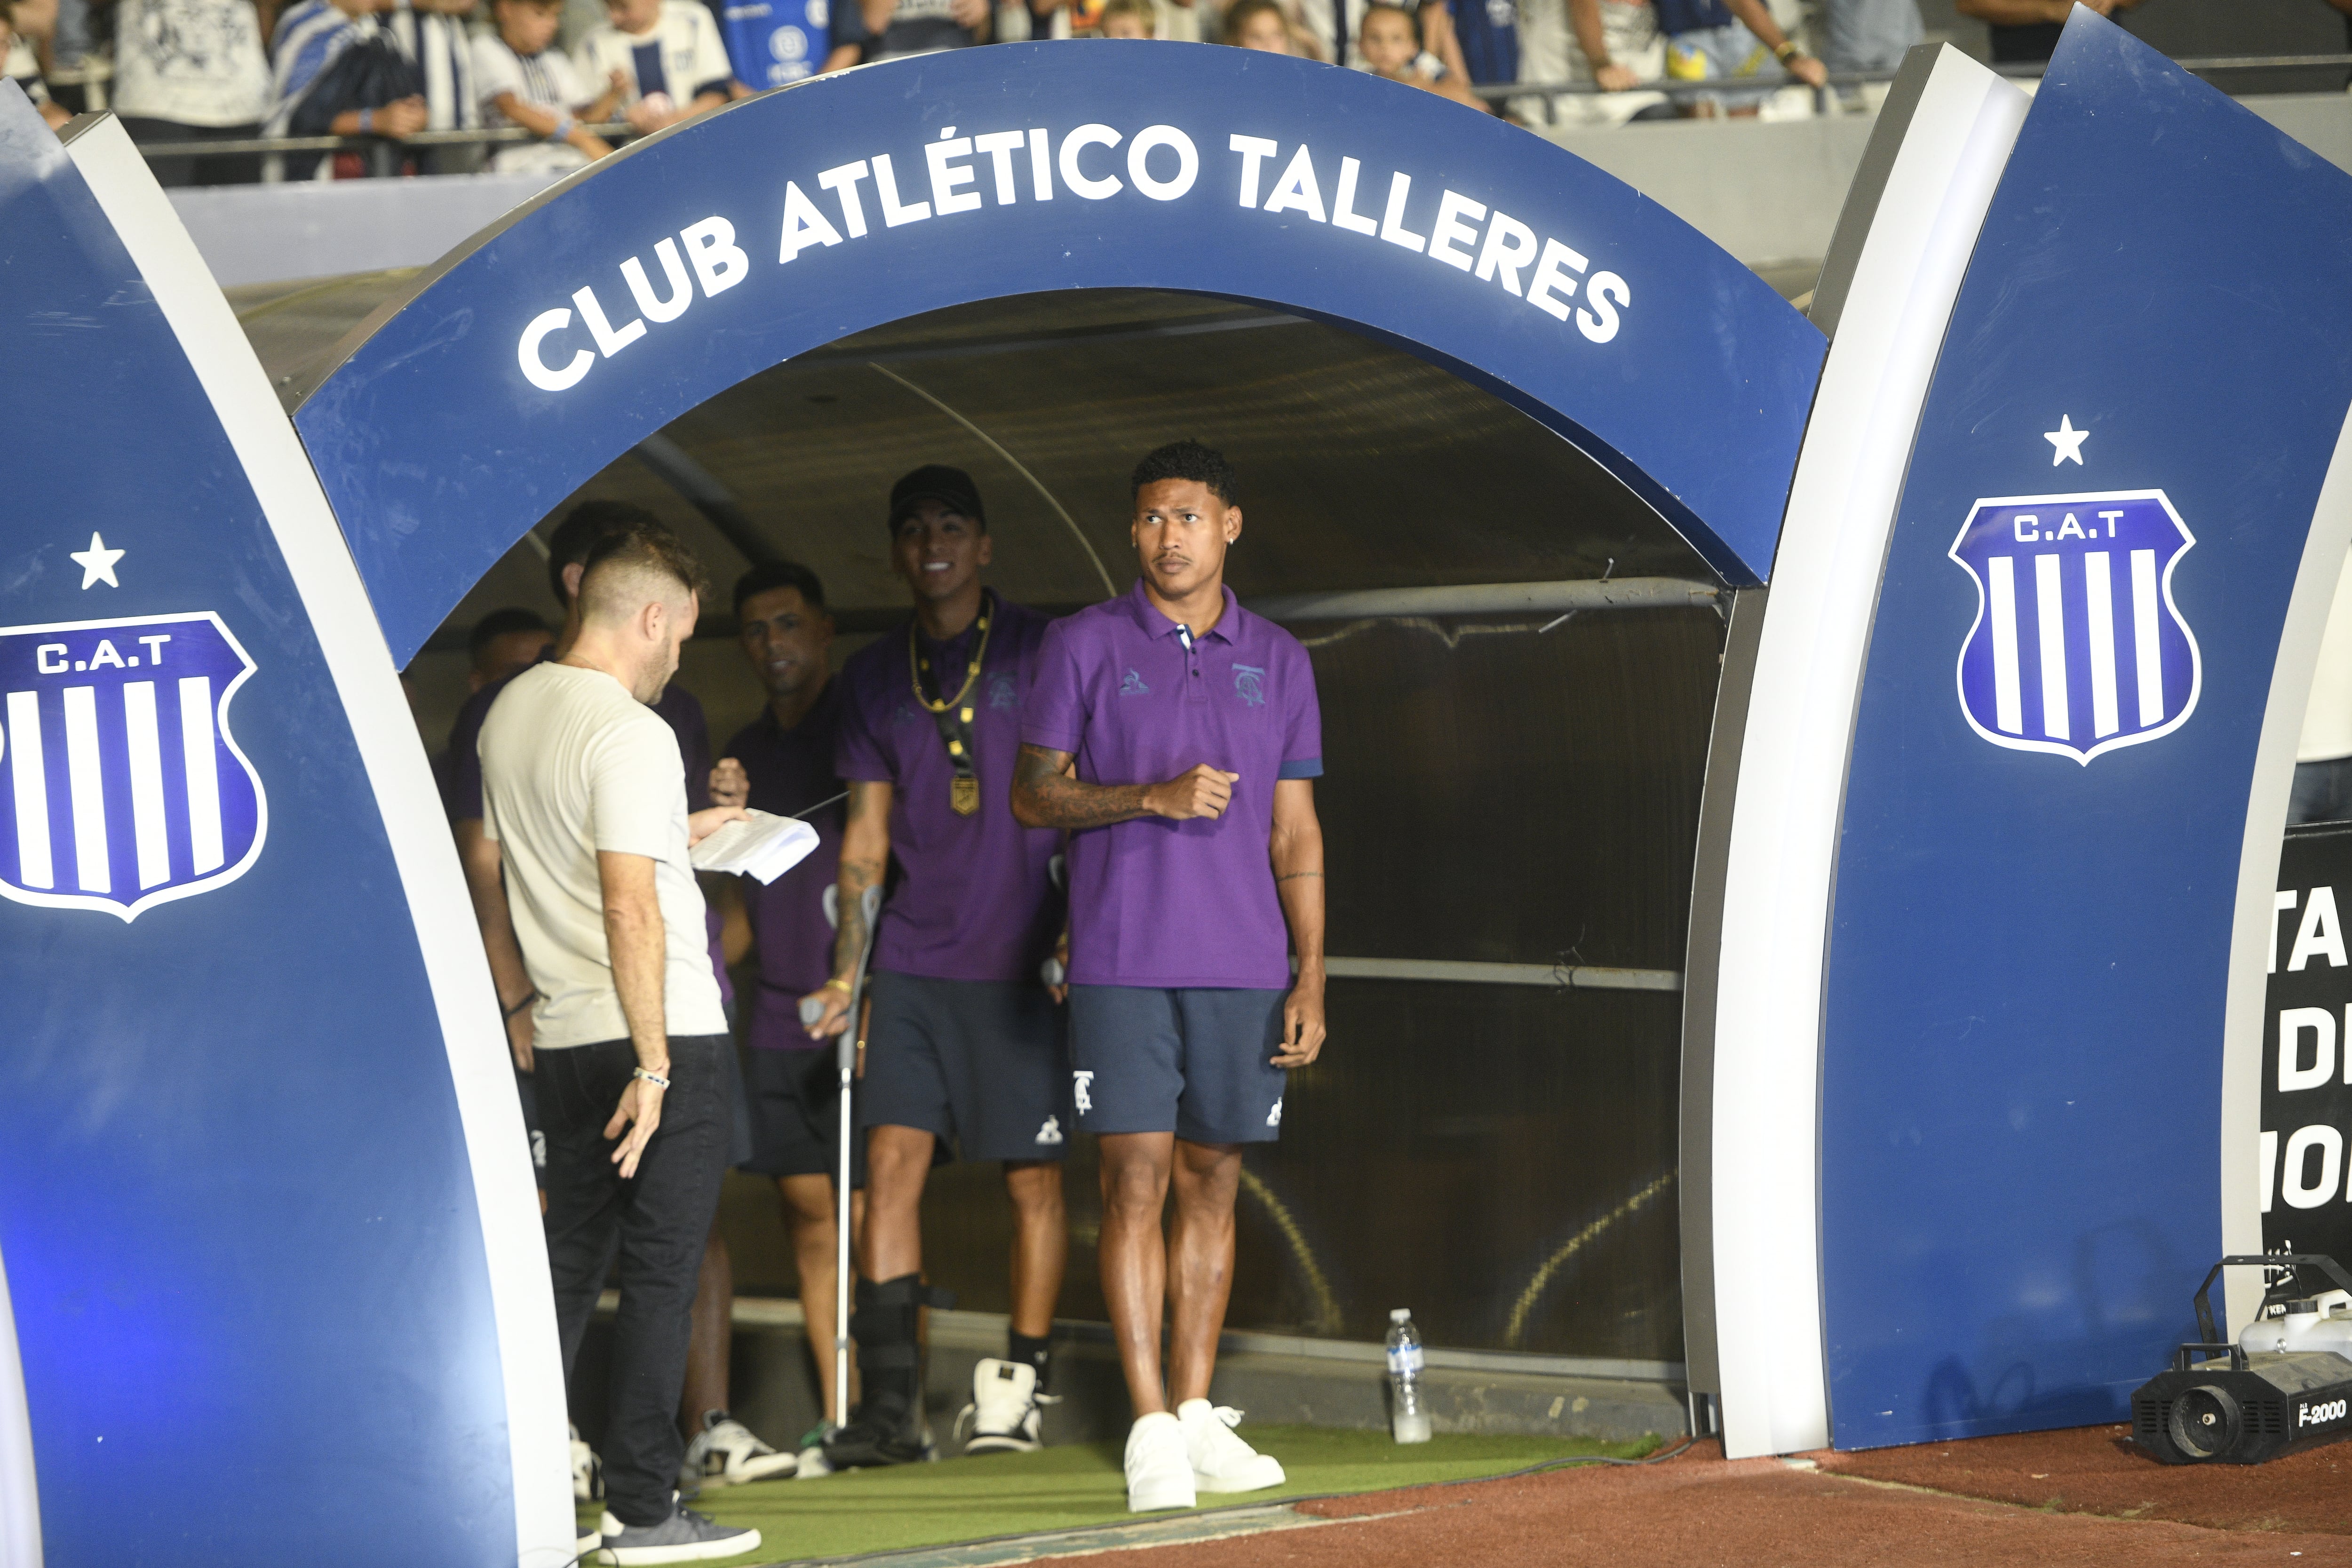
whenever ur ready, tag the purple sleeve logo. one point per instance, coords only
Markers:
(2077, 647)
(120, 786)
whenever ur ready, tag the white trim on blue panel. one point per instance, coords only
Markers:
(20, 1492)
(2243, 1168)
(345, 625)
(1809, 664)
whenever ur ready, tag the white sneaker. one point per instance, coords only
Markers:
(587, 1471)
(1003, 1416)
(814, 1463)
(1221, 1462)
(1159, 1466)
(726, 1453)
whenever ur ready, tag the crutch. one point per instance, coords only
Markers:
(870, 903)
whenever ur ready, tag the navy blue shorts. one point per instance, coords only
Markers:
(980, 1062)
(795, 1104)
(1195, 1062)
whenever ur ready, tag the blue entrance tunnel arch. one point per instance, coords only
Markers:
(703, 256)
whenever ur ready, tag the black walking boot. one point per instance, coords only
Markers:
(887, 1426)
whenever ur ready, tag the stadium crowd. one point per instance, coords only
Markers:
(187, 72)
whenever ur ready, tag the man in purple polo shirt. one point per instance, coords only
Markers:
(1175, 736)
(787, 634)
(569, 547)
(963, 1042)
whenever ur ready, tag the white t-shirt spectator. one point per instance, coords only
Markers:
(682, 57)
(545, 78)
(572, 765)
(192, 62)
(444, 58)
(21, 65)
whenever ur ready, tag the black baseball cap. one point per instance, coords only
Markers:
(951, 487)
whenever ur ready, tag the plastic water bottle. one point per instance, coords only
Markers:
(1408, 1417)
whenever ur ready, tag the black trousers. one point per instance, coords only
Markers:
(657, 1222)
(197, 168)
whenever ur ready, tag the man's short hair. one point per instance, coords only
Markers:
(647, 554)
(951, 487)
(769, 575)
(1189, 460)
(578, 535)
(496, 624)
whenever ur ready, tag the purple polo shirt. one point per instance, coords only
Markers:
(459, 771)
(1177, 904)
(975, 900)
(791, 770)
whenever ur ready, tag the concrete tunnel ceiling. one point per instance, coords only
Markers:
(1362, 465)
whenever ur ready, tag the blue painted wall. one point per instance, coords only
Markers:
(2022, 1042)
(235, 1208)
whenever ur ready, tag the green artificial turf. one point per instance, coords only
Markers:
(1081, 1485)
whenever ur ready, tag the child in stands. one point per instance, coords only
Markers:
(1391, 43)
(22, 66)
(669, 59)
(524, 81)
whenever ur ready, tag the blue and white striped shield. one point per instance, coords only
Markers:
(2077, 648)
(120, 786)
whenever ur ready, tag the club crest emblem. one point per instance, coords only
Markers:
(2077, 648)
(120, 786)
(1003, 693)
(1249, 683)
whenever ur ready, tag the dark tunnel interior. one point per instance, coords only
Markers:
(1516, 790)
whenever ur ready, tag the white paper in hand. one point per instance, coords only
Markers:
(760, 846)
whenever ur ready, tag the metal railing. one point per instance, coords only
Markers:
(618, 132)
(1838, 80)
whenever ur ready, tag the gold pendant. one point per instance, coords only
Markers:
(964, 795)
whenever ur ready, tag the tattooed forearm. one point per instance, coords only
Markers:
(864, 859)
(1045, 794)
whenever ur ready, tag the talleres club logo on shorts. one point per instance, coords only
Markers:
(120, 786)
(2077, 648)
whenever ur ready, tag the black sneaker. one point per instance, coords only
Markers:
(884, 1429)
(683, 1537)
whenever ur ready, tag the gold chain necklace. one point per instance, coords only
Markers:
(963, 789)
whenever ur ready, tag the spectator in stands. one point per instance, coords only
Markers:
(1259, 25)
(1731, 40)
(1868, 36)
(1614, 44)
(1127, 19)
(434, 35)
(891, 29)
(671, 62)
(774, 43)
(1389, 41)
(1476, 40)
(336, 72)
(2025, 32)
(525, 80)
(192, 70)
(24, 67)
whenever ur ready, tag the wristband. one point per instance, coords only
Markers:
(563, 128)
(528, 998)
(1787, 51)
(367, 120)
(837, 984)
(654, 1078)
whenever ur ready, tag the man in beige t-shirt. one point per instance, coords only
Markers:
(583, 790)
